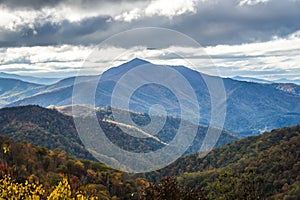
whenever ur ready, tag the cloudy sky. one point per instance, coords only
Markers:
(256, 38)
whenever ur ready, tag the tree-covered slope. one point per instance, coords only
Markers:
(268, 164)
(23, 161)
(43, 127)
(52, 129)
(265, 166)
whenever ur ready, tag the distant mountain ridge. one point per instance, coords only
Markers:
(30, 79)
(13, 89)
(251, 107)
(257, 80)
(19, 91)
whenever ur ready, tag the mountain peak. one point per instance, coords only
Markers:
(118, 71)
(137, 61)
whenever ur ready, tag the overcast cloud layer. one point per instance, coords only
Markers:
(268, 60)
(85, 22)
(258, 38)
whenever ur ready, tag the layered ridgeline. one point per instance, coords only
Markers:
(30, 79)
(261, 167)
(258, 167)
(251, 107)
(52, 129)
(16, 90)
(256, 80)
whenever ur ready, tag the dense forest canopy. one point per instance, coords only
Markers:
(260, 167)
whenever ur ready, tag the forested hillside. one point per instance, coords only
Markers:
(52, 129)
(261, 167)
(22, 161)
(43, 127)
(265, 166)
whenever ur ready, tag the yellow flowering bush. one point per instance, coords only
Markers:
(9, 190)
(61, 192)
(15, 191)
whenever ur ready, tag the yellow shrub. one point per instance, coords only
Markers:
(15, 191)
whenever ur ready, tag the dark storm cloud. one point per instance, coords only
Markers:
(55, 34)
(215, 22)
(228, 23)
(38, 4)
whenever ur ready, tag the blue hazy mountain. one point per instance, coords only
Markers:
(30, 79)
(284, 80)
(257, 80)
(251, 107)
(250, 79)
(13, 89)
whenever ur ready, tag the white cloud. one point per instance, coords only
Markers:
(271, 60)
(43, 59)
(85, 22)
(252, 2)
(160, 8)
(170, 8)
(129, 15)
(13, 19)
